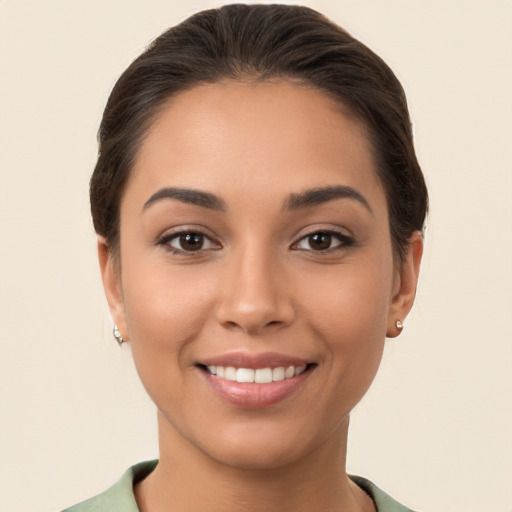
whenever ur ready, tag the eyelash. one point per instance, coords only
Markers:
(343, 240)
(165, 241)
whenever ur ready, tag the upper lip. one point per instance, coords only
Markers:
(254, 361)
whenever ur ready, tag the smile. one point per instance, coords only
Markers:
(255, 382)
(255, 375)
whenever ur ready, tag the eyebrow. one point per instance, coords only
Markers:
(298, 201)
(186, 195)
(321, 195)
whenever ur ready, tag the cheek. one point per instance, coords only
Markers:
(347, 310)
(350, 300)
(165, 310)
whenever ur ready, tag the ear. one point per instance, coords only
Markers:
(111, 277)
(405, 285)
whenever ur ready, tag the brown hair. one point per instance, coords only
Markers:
(261, 42)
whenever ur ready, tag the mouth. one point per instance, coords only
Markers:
(255, 375)
(255, 382)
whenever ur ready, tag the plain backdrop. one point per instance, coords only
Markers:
(434, 431)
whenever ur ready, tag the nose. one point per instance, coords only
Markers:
(255, 296)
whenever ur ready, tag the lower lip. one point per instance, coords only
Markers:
(253, 395)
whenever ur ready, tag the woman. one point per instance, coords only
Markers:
(259, 210)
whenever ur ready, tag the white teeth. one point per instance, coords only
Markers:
(259, 376)
(278, 374)
(299, 370)
(230, 373)
(263, 376)
(244, 375)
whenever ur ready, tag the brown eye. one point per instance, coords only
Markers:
(188, 242)
(191, 241)
(323, 241)
(320, 241)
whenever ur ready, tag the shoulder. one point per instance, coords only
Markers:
(119, 497)
(383, 502)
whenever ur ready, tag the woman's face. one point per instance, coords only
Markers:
(254, 245)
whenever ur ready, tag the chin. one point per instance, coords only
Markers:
(267, 445)
(256, 457)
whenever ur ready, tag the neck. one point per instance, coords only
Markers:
(187, 479)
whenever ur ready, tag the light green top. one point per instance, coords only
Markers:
(120, 497)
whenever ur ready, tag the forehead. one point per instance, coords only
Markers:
(271, 137)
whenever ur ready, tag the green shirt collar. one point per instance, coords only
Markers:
(120, 497)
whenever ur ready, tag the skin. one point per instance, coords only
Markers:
(257, 285)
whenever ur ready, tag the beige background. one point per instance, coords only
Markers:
(435, 430)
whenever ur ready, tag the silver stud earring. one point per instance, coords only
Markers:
(399, 325)
(117, 335)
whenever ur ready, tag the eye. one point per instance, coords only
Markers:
(188, 242)
(322, 241)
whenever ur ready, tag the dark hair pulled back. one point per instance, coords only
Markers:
(261, 42)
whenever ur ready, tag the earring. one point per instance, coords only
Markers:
(399, 325)
(117, 335)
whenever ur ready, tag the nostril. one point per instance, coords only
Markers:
(250, 309)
